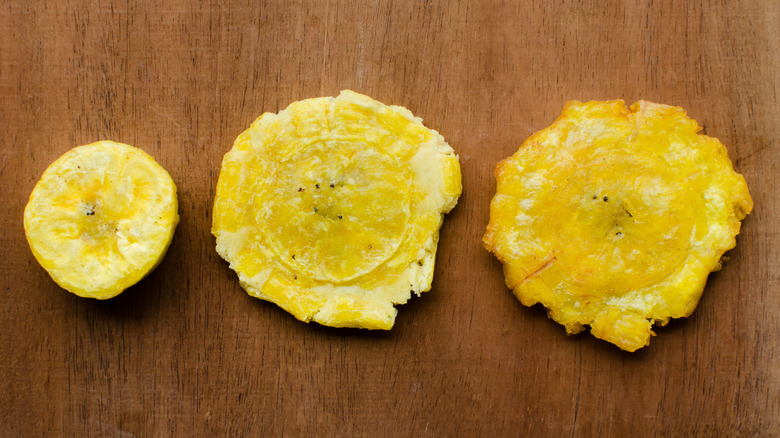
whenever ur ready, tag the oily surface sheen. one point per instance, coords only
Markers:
(101, 217)
(613, 217)
(331, 208)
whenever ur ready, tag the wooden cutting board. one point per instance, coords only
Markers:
(187, 353)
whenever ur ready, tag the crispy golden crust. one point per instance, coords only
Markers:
(331, 209)
(613, 217)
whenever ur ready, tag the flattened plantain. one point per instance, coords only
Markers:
(613, 217)
(331, 209)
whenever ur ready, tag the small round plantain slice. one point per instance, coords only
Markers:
(331, 209)
(101, 218)
(614, 217)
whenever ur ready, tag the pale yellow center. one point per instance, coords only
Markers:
(336, 210)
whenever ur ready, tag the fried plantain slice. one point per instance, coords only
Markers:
(101, 218)
(331, 209)
(614, 217)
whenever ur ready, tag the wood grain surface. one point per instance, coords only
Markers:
(187, 353)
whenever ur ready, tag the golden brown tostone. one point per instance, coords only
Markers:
(613, 217)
